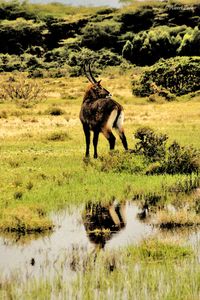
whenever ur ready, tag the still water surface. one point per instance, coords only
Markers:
(77, 234)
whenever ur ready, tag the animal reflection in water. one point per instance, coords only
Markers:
(102, 222)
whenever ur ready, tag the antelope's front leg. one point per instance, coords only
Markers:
(87, 139)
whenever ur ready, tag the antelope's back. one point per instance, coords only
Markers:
(96, 113)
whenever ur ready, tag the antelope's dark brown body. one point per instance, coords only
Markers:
(97, 112)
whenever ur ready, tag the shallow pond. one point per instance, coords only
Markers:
(78, 233)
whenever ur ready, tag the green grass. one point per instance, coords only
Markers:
(43, 169)
(151, 270)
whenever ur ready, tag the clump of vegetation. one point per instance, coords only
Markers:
(178, 76)
(172, 159)
(58, 136)
(148, 46)
(3, 114)
(23, 91)
(55, 111)
(168, 220)
(25, 219)
(181, 159)
(154, 250)
(118, 162)
(18, 195)
(151, 145)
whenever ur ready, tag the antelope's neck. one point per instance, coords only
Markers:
(89, 96)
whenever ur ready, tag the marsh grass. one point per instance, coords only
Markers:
(25, 220)
(52, 174)
(181, 218)
(145, 271)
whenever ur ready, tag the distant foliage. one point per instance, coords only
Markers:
(58, 37)
(99, 35)
(138, 20)
(179, 75)
(147, 47)
(12, 10)
(20, 34)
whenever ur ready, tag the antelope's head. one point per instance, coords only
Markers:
(95, 89)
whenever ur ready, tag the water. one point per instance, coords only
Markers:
(109, 3)
(77, 234)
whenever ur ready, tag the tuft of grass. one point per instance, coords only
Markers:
(154, 250)
(121, 162)
(23, 219)
(55, 111)
(58, 136)
(180, 218)
(3, 114)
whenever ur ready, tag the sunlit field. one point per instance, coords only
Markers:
(43, 171)
(127, 224)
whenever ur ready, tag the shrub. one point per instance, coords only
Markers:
(190, 44)
(20, 34)
(100, 35)
(9, 63)
(58, 136)
(21, 90)
(138, 20)
(181, 159)
(117, 162)
(147, 47)
(171, 160)
(151, 145)
(179, 76)
(55, 111)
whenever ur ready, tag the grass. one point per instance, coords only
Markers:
(42, 170)
(148, 271)
(22, 219)
(181, 218)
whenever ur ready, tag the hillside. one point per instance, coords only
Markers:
(58, 38)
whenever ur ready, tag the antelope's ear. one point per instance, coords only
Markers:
(99, 82)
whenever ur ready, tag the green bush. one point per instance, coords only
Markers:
(190, 44)
(118, 162)
(151, 145)
(181, 159)
(55, 111)
(9, 63)
(20, 34)
(11, 10)
(100, 35)
(179, 75)
(147, 47)
(171, 160)
(138, 20)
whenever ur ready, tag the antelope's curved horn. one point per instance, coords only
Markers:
(86, 72)
(93, 79)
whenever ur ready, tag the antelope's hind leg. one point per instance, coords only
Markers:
(120, 128)
(86, 130)
(110, 137)
(107, 130)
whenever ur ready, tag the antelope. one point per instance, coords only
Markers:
(100, 113)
